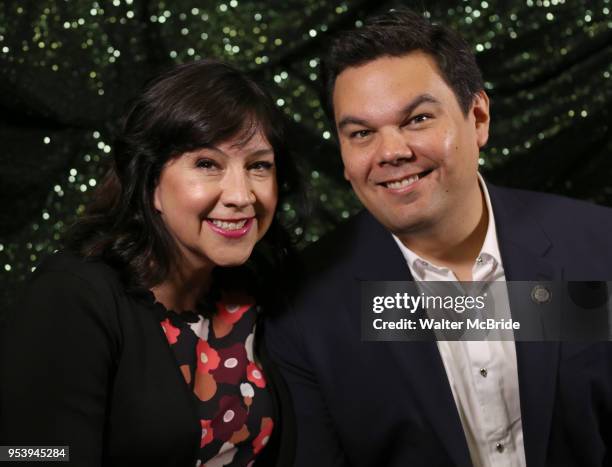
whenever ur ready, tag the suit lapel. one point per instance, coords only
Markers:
(524, 247)
(420, 364)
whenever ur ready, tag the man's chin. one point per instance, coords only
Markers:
(406, 226)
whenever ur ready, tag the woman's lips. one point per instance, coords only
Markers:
(231, 229)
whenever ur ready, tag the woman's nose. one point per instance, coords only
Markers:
(237, 190)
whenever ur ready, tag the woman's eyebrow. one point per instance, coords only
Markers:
(261, 152)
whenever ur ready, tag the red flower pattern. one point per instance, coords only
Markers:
(264, 435)
(208, 358)
(255, 375)
(231, 308)
(231, 416)
(225, 379)
(207, 432)
(171, 332)
(232, 365)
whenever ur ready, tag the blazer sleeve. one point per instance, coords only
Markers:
(56, 367)
(317, 440)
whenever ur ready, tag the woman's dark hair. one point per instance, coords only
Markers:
(399, 32)
(194, 105)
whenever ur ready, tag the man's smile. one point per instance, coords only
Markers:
(404, 181)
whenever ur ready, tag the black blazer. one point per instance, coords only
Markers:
(87, 365)
(389, 403)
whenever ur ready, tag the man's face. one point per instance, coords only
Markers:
(409, 151)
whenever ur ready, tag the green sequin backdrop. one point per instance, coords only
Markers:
(68, 68)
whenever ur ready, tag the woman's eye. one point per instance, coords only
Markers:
(360, 134)
(261, 166)
(206, 164)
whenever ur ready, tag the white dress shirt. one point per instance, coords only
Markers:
(482, 374)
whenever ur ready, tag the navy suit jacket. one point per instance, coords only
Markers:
(389, 403)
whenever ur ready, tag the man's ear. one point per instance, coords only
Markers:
(482, 117)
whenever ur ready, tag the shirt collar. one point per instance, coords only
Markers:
(490, 246)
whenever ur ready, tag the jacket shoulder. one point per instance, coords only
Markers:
(67, 267)
(541, 200)
(575, 234)
(560, 212)
(74, 282)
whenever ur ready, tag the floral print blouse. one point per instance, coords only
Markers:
(215, 357)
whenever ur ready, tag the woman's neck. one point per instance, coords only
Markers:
(183, 288)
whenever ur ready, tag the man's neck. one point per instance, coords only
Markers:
(456, 241)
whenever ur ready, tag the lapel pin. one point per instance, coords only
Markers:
(540, 294)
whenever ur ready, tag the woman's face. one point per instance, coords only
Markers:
(218, 202)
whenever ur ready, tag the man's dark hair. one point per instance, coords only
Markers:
(397, 33)
(192, 106)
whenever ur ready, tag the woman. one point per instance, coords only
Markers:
(137, 346)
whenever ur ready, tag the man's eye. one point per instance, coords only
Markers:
(360, 134)
(420, 118)
(261, 166)
(206, 164)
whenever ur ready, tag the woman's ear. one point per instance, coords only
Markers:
(157, 198)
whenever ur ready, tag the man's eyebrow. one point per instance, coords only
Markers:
(351, 121)
(420, 99)
(408, 109)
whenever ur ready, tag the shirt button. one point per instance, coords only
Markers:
(483, 372)
(500, 447)
(479, 260)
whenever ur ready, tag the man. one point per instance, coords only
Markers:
(411, 116)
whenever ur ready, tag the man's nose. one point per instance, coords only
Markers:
(237, 191)
(394, 148)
